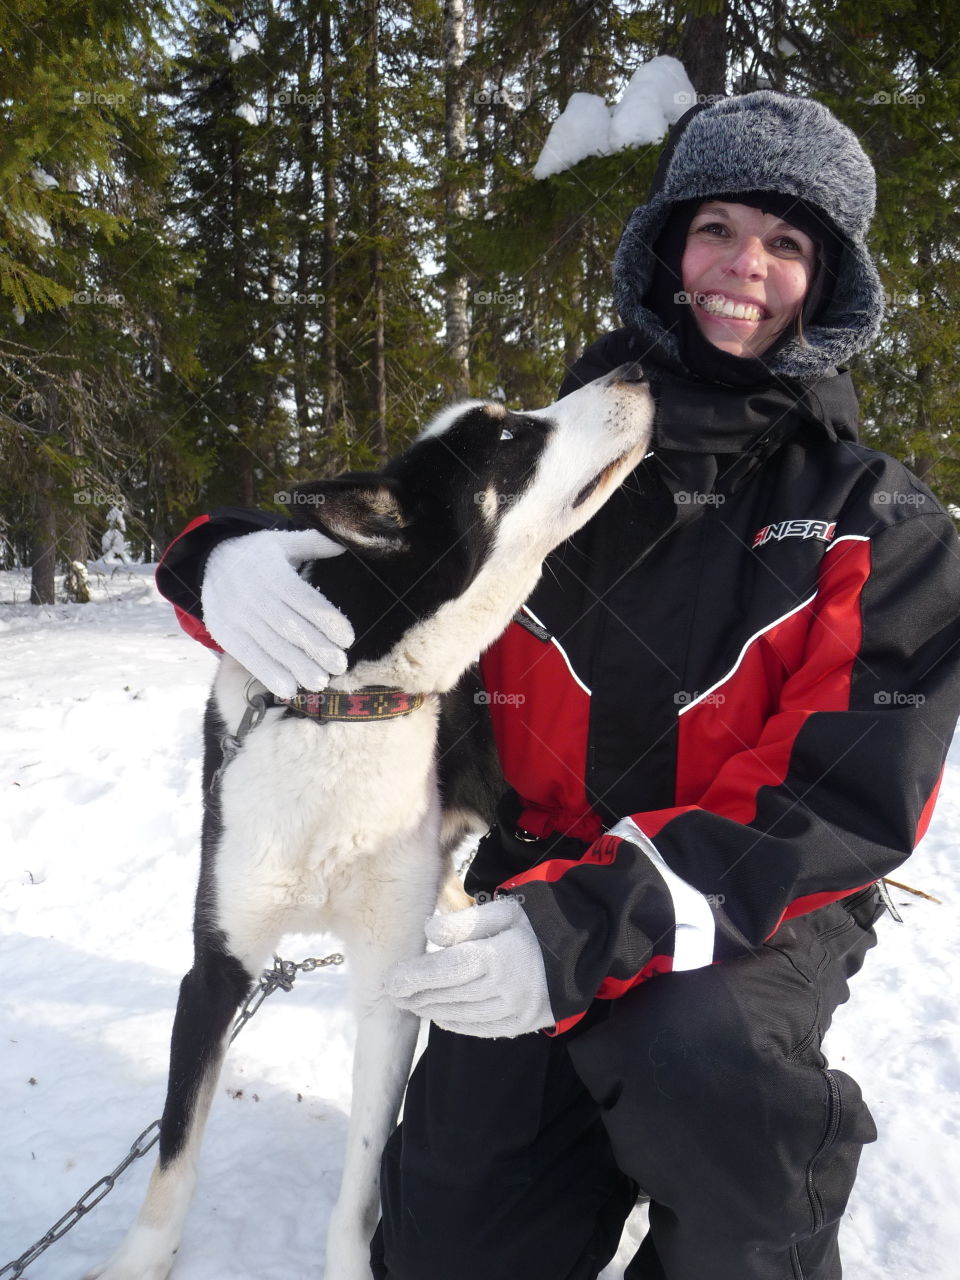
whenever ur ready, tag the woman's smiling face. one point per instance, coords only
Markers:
(747, 273)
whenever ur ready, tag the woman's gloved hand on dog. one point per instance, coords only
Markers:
(487, 980)
(260, 611)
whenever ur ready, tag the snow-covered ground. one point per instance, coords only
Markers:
(100, 783)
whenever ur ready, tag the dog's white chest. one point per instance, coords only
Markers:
(315, 809)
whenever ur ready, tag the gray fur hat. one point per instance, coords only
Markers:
(766, 141)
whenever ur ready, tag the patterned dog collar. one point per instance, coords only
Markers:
(373, 702)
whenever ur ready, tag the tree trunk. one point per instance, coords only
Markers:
(328, 271)
(44, 541)
(455, 198)
(263, 409)
(43, 549)
(378, 390)
(702, 48)
(924, 459)
(235, 398)
(76, 538)
(306, 155)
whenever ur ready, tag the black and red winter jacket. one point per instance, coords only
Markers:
(730, 697)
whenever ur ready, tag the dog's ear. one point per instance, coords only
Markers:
(362, 511)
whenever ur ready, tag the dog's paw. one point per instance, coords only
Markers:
(109, 1271)
(118, 1271)
(347, 1260)
(352, 1269)
(134, 1263)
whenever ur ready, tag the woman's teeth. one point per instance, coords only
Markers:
(716, 305)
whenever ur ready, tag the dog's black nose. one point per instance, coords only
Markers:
(632, 371)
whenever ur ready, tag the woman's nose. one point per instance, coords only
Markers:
(750, 259)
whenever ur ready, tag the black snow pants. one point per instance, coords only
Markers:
(706, 1091)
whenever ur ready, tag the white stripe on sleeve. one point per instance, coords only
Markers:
(695, 932)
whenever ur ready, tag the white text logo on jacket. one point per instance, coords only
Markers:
(821, 529)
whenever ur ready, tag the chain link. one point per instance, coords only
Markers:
(231, 743)
(282, 976)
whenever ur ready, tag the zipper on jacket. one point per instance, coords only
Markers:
(833, 1127)
(523, 619)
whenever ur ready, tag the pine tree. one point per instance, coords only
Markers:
(279, 256)
(457, 334)
(540, 252)
(892, 73)
(78, 116)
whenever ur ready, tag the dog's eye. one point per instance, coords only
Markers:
(506, 434)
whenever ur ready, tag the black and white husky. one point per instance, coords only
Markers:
(338, 826)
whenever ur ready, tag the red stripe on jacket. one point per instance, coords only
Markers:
(729, 749)
(191, 625)
(529, 683)
(614, 988)
(741, 736)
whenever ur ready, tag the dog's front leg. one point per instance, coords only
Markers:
(209, 997)
(386, 1039)
(388, 928)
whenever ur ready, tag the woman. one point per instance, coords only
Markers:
(733, 694)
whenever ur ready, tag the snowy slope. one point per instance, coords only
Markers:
(99, 819)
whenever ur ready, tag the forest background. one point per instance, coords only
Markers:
(243, 244)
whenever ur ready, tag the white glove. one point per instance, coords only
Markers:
(260, 611)
(489, 979)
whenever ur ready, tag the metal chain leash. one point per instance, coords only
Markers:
(87, 1201)
(282, 975)
(231, 743)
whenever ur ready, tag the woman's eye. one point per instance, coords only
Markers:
(712, 226)
(787, 243)
(506, 434)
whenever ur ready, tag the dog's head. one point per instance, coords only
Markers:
(482, 488)
(477, 464)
